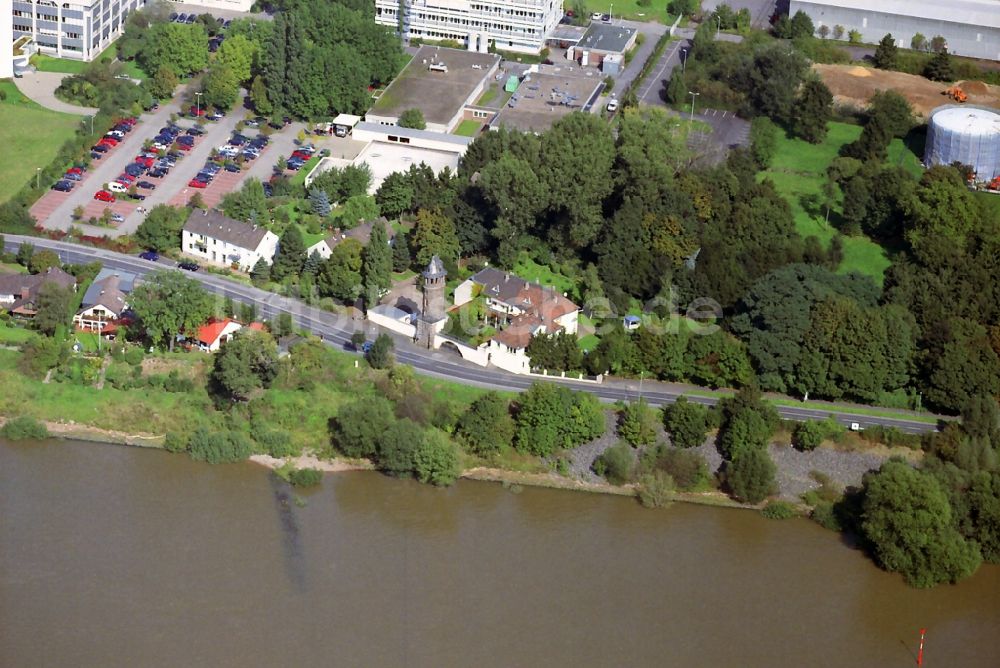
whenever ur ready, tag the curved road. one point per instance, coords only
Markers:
(336, 329)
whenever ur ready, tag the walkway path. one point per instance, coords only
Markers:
(41, 87)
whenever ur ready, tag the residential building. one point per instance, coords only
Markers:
(19, 292)
(210, 236)
(971, 27)
(105, 302)
(519, 309)
(362, 234)
(507, 25)
(80, 29)
(212, 335)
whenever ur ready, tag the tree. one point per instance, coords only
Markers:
(938, 44)
(616, 464)
(168, 304)
(376, 268)
(237, 53)
(435, 460)
(801, 25)
(486, 427)
(340, 275)
(182, 48)
(686, 422)
(908, 521)
(763, 140)
(220, 87)
(886, 54)
(823, 31)
(750, 476)
(163, 83)
(246, 364)
(358, 426)
(397, 447)
(401, 259)
(637, 424)
(854, 37)
(161, 229)
(434, 234)
(769, 80)
(282, 326)
(959, 363)
(895, 109)
(412, 118)
(838, 32)
(940, 68)
(24, 254)
(258, 96)
(320, 202)
(42, 353)
(808, 435)
(812, 111)
(261, 272)
(874, 140)
(356, 210)
(44, 260)
(550, 417)
(919, 42)
(380, 355)
(395, 195)
(291, 254)
(53, 308)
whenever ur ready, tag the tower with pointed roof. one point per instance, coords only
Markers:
(432, 317)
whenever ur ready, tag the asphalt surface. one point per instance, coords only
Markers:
(336, 330)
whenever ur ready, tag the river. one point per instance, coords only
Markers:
(116, 556)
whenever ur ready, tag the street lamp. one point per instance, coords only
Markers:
(197, 105)
(693, 96)
(611, 12)
(684, 60)
(38, 178)
(719, 20)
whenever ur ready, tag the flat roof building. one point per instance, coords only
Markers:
(440, 83)
(508, 25)
(971, 27)
(602, 40)
(546, 95)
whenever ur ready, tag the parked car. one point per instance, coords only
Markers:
(188, 265)
(69, 176)
(196, 110)
(215, 116)
(104, 196)
(251, 123)
(109, 140)
(195, 183)
(173, 16)
(190, 19)
(232, 167)
(118, 218)
(76, 169)
(613, 106)
(146, 185)
(195, 131)
(268, 190)
(115, 134)
(181, 18)
(150, 255)
(94, 155)
(63, 186)
(138, 197)
(159, 172)
(135, 169)
(100, 148)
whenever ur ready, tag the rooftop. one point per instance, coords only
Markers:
(213, 224)
(972, 120)
(209, 333)
(439, 93)
(109, 290)
(607, 37)
(546, 96)
(362, 232)
(385, 158)
(539, 305)
(984, 13)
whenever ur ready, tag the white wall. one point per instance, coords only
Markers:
(514, 361)
(392, 324)
(6, 39)
(463, 293)
(220, 253)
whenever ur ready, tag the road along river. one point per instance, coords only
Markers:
(117, 556)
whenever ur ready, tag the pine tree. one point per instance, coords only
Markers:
(320, 202)
(312, 263)
(261, 272)
(885, 54)
(939, 68)
(291, 254)
(812, 111)
(377, 264)
(401, 259)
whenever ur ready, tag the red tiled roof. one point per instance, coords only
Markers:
(209, 333)
(257, 326)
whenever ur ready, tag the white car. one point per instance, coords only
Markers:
(613, 106)
(596, 16)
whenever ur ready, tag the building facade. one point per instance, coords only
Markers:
(971, 27)
(208, 235)
(507, 25)
(231, 5)
(80, 30)
(6, 39)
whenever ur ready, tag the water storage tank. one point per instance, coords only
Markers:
(969, 135)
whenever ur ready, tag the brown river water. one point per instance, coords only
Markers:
(116, 556)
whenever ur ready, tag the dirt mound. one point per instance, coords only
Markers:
(974, 87)
(859, 72)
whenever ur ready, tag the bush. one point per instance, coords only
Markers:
(688, 469)
(305, 477)
(175, 442)
(436, 460)
(637, 423)
(656, 490)
(22, 428)
(216, 447)
(274, 442)
(486, 427)
(778, 510)
(134, 355)
(825, 515)
(687, 423)
(750, 476)
(616, 464)
(807, 435)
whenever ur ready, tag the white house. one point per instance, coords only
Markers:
(362, 233)
(105, 301)
(208, 235)
(210, 337)
(520, 310)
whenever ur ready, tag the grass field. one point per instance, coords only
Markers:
(30, 133)
(530, 270)
(631, 10)
(468, 128)
(799, 170)
(44, 63)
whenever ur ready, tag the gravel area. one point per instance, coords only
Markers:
(582, 458)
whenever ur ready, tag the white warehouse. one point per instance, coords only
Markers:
(971, 27)
(508, 25)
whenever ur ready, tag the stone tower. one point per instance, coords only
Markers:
(432, 318)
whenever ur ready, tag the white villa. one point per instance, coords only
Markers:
(210, 236)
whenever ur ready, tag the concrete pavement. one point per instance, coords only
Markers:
(336, 329)
(41, 87)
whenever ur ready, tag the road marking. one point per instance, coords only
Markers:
(659, 75)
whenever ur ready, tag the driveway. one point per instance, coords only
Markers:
(41, 87)
(652, 33)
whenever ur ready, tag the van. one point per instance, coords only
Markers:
(116, 187)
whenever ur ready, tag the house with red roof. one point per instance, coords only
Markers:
(213, 334)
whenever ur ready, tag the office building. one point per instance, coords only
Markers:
(80, 30)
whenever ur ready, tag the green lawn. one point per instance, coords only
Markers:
(468, 128)
(44, 63)
(799, 170)
(631, 10)
(20, 120)
(14, 336)
(310, 239)
(530, 270)
(300, 176)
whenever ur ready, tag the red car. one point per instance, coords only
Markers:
(197, 111)
(109, 140)
(104, 196)
(75, 170)
(145, 161)
(127, 121)
(302, 155)
(195, 183)
(185, 147)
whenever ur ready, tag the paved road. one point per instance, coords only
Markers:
(41, 87)
(336, 330)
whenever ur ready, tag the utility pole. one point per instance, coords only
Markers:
(693, 96)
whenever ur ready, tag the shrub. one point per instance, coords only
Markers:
(687, 423)
(656, 490)
(274, 442)
(486, 427)
(305, 477)
(824, 514)
(637, 423)
(134, 355)
(175, 442)
(616, 463)
(687, 468)
(778, 510)
(22, 428)
(216, 447)
(436, 460)
(750, 476)
(807, 435)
